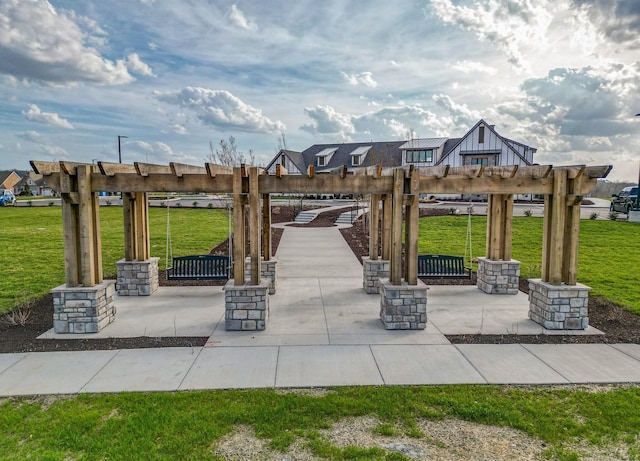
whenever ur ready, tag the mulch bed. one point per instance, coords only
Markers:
(618, 324)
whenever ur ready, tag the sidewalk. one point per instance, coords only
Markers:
(323, 330)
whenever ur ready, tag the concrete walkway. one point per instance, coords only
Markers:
(323, 330)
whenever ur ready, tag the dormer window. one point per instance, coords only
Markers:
(322, 161)
(356, 160)
(324, 156)
(358, 155)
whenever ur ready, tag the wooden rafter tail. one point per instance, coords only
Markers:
(600, 171)
(281, 171)
(244, 171)
(508, 171)
(573, 171)
(145, 169)
(262, 171)
(70, 167)
(339, 171)
(45, 168)
(534, 171)
(110, 169)
(214, 169)
(470, 171)
(311, 171)
(180, 169)
(439, 171)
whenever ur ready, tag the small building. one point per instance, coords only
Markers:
(9, 179)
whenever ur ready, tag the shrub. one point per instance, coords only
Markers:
(528, 213)
(108, 202)
(594, 215)
(613, 215)
(210, 205)
(29, 203)
(50, 203)
(195, 204)
(178, 205)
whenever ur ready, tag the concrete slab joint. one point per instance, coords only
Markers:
(498, 276)
(372, 272)
(137, 278)
(83, 309)
(403, 307)
(559, 307)
(246, 306)
(267, 272)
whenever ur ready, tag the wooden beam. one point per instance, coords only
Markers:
(340, 171)
(111, 169)
(573, 171)
(146, 169)
(266, 227)
(470, 171)
(162, 182)
(180, 169)
(507, 228)
(238, 228)
(534, 171)
(213, 170)
(71, 244)
(325, 183)
(438, 172)
(71, 197)
(601, 171)
(45, 168)
(311, 171)
(374, 226)
(411, 229)
(546, 237)
(281, 171)
(395, 264)
(387, 204)
(86, 234)
(70, 167)
(374, 171)
(571, 238)
(483, 185)
(255, 226)
(129, 224)
(500, 171)
(558, 217)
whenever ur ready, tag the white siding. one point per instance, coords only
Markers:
(492, 144)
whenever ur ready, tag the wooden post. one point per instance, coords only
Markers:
(499, 226)
(395, 264)
(88, 229)
(555, 229)
(374, 226)
(572, 233)
(387, 206)
(142, 226)
(68, 187)
(129, 223)
(255, 226)
(266, 227)
(238, 228)
(411, 227)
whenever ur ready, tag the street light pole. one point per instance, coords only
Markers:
(120, 149)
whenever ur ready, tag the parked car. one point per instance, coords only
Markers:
(7, 197)
(624, 201)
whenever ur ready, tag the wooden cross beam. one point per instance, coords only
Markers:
(213, 169)
(179, 169)
(146, 169)
(111, 169)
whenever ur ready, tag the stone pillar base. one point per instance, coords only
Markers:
(267, 272)
(559, 307)
(403, 307)
(498, 277)
(246, 306)
(372, 272)
(137, 278)
(83, 309)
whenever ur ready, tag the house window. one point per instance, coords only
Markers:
(481, 135)
(283, 159)
(480, 161)
(356, 160)
(321, 161)
(419, 156)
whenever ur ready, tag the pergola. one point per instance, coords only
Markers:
(398, 189)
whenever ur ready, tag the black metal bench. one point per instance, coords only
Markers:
(442, 267)
(199, 267)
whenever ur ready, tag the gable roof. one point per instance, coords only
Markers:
(452, 147)
(378, 153)
(424, 143)
(294, 156)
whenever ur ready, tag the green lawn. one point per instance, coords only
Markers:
(188, 425)
(32, 259)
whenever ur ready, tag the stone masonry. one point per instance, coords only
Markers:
(372, 272)
(267, 272)
(137, 278)
(246, 306)
(498, 277)
(403, 307)
(559, 307)
(83, 309)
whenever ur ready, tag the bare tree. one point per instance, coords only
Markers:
(282, 142)
(228, 154)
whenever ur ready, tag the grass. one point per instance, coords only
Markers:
(188, 425)
(608, 255)
(32, 259)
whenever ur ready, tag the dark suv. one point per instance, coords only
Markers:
(626, 200)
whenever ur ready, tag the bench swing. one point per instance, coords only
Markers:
(197, 267)
(433, 266)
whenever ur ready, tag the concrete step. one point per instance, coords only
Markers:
(306, 216)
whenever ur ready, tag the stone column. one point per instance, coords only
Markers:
(137, 278)
(498, 277)
(403, 307)
(267, 272)
(83, 309)
(246, 306)
(559, 307)
(372, 272)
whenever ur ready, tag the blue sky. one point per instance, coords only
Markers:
(559, 75)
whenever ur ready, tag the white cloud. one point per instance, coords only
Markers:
(47, 118)
(325, 120)
(179, 129)
(468, 67)
(135, 64)
(38, 43)
(222, 109)
(238, 19)
(364, 78)
(153, 46)
(158, 152)
(44, 146)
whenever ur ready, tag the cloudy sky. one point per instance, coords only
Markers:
(559, 75)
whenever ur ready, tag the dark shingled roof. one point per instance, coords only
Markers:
(381, 153)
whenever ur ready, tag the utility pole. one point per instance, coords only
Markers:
(120, 149)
